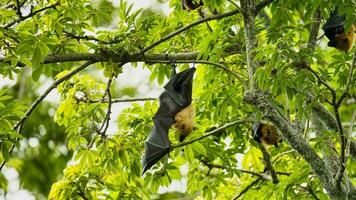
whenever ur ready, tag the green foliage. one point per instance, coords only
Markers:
(107, 166)
(9, 116)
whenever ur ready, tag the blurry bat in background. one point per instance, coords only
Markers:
(176, 98)
(191, 4)
(336, 33)
(266, 133)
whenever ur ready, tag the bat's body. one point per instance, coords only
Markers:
(184, 122)
(191, 5)
(266, 133)
(173, 103)
(335, 32)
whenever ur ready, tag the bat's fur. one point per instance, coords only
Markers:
(184, 121)
(345, 41)
(191, 5)
(269, 134)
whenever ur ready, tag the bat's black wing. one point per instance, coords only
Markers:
(334, 25)
(256, 131)
(178, 95)
(179, 88)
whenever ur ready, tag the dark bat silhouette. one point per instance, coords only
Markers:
(177, 96)
(191, 4)
(266, 133)
(334, 31)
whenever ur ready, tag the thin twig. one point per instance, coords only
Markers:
(233, 3)
(106, 122)
(281, 155)
(18, 9)
(269, 166)
(29, 15)
(219, 65)
(261, 5)
(118, 100)
(247, 188)
(349, 80)
(343, 139)
(206, 19)
(86, 37)
(260, 175)
(218, 130)
(19, 124)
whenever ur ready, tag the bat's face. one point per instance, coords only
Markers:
(185, 121)
(184, 127)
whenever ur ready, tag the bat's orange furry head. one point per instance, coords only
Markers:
(184, 122)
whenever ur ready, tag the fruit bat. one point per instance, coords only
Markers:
(266, 133)
(191, 4)
(176, 98)
(335, 32)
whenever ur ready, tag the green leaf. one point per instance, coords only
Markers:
(5, 151)
(199, 148)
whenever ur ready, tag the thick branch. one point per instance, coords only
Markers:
(291, 135)
(248, 7)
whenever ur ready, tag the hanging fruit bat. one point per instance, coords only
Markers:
(191, 4)
(176, 98)
(266, 133)
(335, 32)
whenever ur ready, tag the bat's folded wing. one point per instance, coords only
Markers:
(157, 144)
(179, 87)
(335, 20)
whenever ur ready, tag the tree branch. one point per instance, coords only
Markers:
(86, 37)
(218, 130)
(219, 65)
(29, 15)
(118, 100)
(260, 175)
(349, 79)
(247, 188)
(202, 20)
(261, 5)
(105, 125)
(291, 135)
(268, 164)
